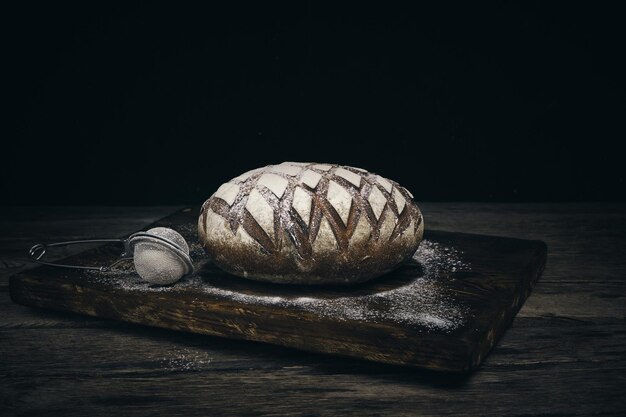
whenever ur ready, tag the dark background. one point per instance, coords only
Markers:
(160, 104)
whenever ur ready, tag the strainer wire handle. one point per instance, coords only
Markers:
(37, 252)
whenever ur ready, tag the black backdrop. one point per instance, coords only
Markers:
(161, 103)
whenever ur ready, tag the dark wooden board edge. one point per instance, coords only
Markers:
(219, 317)
(500, 315)
(530, 276)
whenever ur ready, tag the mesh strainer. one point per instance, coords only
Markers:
(160, 255)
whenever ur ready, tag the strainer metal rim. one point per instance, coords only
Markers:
(145, 237)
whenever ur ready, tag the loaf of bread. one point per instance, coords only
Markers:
(310, 223)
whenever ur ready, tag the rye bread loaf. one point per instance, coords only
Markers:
(310, 223)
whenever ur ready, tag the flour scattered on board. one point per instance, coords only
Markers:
(424, 301)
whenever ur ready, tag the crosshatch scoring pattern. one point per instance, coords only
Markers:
(299, 199)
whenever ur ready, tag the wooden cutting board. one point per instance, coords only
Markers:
(442, 311)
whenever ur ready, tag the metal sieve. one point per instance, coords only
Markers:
(160, 255)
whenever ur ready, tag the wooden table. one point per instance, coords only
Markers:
(564, 354)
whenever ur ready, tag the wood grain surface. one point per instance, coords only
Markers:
(565, 353)
(425, 314)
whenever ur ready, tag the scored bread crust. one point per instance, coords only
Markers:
(310, 223)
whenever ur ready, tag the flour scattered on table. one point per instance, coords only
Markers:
(186, 360)
(424, 301)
